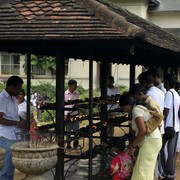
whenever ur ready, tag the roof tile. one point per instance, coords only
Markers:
(76, 19)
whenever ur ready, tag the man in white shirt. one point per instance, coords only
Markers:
(9, 123)
(171, 107)
(157, 81)
(147, 80)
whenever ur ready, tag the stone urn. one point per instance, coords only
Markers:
(34, 160)
(2, 153)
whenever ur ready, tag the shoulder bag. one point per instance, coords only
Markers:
(169, 131)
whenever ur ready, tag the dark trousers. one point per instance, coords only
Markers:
(72, 127)
(169, 165)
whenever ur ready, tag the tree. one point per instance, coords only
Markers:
(45, 62)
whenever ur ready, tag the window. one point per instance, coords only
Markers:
(38, 70)
(10, 64)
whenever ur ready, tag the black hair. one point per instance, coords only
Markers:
(111, 78)
(137, 88)
(146, 77)
(154, 72)
(22, 91)
(169, 78)
(177, 85)
(14, 81)
(126, 99)
(71, 82)
(120, 145)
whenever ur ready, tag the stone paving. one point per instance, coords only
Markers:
(49, 175)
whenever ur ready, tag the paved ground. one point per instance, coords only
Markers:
(73, 172)
(49, 176)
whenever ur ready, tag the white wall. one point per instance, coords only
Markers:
(138, 7)
(79, 70)
(121, 74)
(165, 19)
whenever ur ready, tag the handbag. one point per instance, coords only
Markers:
(154, 122)
(169, 131)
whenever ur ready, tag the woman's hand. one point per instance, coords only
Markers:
(131, 150)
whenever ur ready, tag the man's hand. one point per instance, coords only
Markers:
(21, 124)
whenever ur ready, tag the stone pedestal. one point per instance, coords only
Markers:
(34, 160)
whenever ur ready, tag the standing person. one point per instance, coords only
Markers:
(9, 123)
(149, 144)
(157, 80)
(158, 83)
(111, 91)
(147, 80)
(178, 149)
(71, 94)
(39, 102)
(22, 112)
(121, 164)
(171, 107)
(177, 88)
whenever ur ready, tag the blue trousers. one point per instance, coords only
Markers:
(7, 172)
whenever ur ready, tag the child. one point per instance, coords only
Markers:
(121, 165)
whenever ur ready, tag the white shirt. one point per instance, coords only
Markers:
(9, 107)
(161, 87)
(157, 95)
(22, 108)
(111, 92)
(70, 96)
(169, 105)
(141, 111)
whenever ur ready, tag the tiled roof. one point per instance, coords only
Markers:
(24, 20)
(54, 19)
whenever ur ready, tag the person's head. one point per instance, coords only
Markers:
(14, 85)
(177, 85)
(169, 81)
(72, 85)
(146, 79)
(127, 102)
(20, 96)
(110, 81)
(156, 76)
(119, 146)
(138, 92)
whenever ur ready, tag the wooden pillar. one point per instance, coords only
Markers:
(90, 117)
(28, 92)
(103, 86)
(132, 74)
(59, 127)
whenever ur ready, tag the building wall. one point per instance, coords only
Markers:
(138, 7)
(79, 70)
(165, 19)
